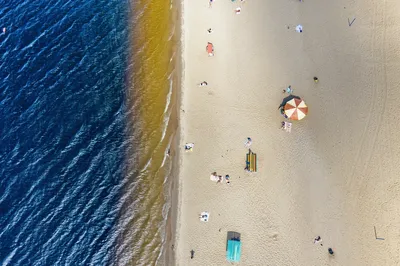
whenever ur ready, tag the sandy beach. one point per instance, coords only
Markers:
(335, 175)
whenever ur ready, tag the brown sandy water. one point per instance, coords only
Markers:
(151, 103)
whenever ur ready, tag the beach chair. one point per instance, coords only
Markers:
(251, 161)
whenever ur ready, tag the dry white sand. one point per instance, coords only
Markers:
(335, 175)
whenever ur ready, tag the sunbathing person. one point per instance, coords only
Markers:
(317, 240)
(227, 179)
(248, 142)
(189, 146)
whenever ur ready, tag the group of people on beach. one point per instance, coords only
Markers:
(248, 142)
(220, 178)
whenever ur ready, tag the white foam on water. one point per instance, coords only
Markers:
(7, 260)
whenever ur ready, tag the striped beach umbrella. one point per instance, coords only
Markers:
(296, 109)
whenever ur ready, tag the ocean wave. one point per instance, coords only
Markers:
(63, 114)
(172, 33)
(9, 257)
(70, 191)
(167, 111)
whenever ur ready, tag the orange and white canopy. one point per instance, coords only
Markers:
(296, 109)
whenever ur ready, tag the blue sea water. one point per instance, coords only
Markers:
(63, 68)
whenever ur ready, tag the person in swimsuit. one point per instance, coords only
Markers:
(227, 179)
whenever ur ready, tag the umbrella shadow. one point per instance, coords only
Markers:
(286, 99)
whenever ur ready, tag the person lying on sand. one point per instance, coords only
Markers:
(210, 49)
(317, 239)
(227, 179)
(288, 89)
(283, 113)
(248, 142)
(189, 146)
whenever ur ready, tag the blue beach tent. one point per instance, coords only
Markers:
(233, 247)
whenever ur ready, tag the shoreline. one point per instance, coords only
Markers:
(174, 215)
(152, 97)
(170, 229)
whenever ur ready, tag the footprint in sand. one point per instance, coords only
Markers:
(274, 237)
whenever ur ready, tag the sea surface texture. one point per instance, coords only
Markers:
(75, 156)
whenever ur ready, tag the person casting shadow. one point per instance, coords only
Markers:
(192, 254)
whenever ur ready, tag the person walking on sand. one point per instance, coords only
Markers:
(330, 250)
